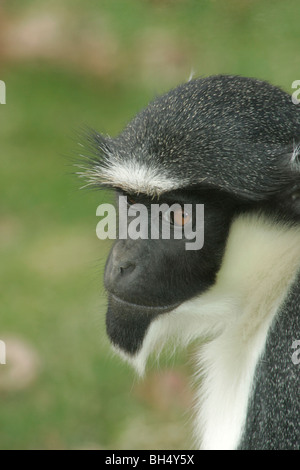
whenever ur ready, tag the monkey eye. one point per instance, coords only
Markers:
(179, 217)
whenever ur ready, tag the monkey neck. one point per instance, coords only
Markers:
(260, 264)
(260, 261)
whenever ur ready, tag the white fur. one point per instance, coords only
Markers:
(260, 263)
(295, 157)
(131, 176)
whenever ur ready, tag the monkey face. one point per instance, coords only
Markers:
(230, 143)
(146, 278)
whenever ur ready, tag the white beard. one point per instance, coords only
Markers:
(260, 263)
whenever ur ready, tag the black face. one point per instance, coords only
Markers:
(148, 277)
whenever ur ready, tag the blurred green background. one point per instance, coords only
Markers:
(68, 64)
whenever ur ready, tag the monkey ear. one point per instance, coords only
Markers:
(281, 178)
(290, 201)
(295, 160)
(295, 194)
(288, 197)
(295, 202)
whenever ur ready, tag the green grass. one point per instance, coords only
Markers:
(51, 261)
(52, 265)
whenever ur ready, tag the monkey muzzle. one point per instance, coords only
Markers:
(127, 323)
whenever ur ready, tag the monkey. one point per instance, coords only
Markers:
(231, 144)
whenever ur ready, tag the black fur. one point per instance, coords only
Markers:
(273, 418)
(230, 143)
(229, 132)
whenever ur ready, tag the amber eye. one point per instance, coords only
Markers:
(181, 218)
(178, 217)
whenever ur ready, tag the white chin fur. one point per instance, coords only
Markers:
(261, 261)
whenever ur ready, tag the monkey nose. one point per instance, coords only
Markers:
(117, 272)
(126, 267)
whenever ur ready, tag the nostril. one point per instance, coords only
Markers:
(126, 268)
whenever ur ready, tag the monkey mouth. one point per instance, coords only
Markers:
(163, 308)
(127, 323)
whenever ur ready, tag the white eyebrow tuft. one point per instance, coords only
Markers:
(131, 176)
